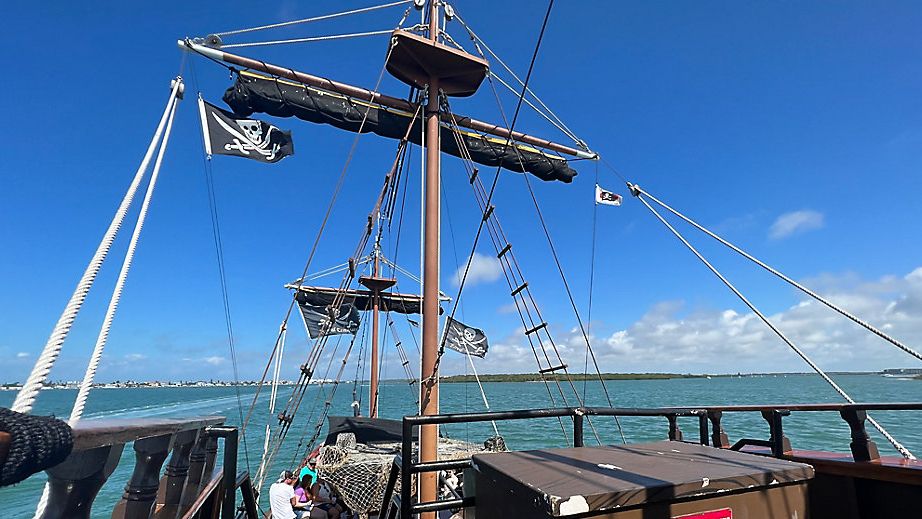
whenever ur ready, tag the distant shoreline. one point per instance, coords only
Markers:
(579, 377)
(450, 379)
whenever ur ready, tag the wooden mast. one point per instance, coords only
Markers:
(376, 284)
(429, 382)
(373, 387)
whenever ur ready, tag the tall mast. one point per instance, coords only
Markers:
(376, 304)
(429, 382)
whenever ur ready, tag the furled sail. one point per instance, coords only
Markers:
(362, 299)
(281, 98)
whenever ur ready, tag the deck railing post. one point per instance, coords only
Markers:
(406, 462)
(141, 490)
(719, 435)
(863, 448)
(230, 435)
(703, 431)
(177, 471)
(196, 473)
(780, 443)
(211, 454)
(578, 436)
(675, 434)
(73, 484)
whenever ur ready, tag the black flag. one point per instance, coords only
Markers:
(225, 134)
(330, 320)
(464, 339)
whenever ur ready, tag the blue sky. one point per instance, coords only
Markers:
(794, 129)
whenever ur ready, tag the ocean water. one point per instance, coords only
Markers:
(806, 430)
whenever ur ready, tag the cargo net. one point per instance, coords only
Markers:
(359, 472)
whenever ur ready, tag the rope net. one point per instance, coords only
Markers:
(359, 472)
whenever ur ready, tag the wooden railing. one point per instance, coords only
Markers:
(881, 485)
(190, 487)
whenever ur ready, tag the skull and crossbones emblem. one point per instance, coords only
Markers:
(252, 129)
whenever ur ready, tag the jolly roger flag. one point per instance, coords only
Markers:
(326, 320)
(606, 197)
(464, 339)
(250, 138)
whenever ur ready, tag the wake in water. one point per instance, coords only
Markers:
(220, 405)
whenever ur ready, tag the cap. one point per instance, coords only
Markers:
(312, 461)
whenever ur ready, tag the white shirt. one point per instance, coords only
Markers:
(280, 495)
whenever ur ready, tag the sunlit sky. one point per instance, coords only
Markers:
(794, 129)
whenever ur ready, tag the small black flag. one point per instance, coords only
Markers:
(329, 320)
(464, 339)
(250, 138)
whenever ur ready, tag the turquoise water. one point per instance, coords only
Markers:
(806, 430)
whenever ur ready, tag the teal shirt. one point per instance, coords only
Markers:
(305, 471)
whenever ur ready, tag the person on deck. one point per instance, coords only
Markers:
(324, 499)
(303, 491)
(282, 499)
(309, 469)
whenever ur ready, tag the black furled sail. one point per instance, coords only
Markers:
(361, 299)
(281, 98)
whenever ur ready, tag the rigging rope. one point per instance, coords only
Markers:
(488, 220)
(87, 384)
(308, 39)
(560, 270)
(336, 190)
(454, 251)
(579, 320)
(814, 295)
(309, 367)
(556, 120)
(225, 297)
(25, 399)
(510, 274)
(314, 19)
(595, 210)
(640, 196)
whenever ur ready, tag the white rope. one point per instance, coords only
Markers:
(308, 39)
(790, 281)
(102, 338)
(315, 18)
(39, 375)
(276, 374)
(905, 452)
(80, 403)
(483, 395)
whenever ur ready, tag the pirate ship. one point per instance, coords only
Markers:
(705, 477)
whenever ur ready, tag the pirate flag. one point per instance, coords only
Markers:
(606, 197)
(330, 320)
(464, 339)
(250, 138)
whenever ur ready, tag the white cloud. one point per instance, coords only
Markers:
(22, 355)
(796, 222)
(484, 269)
(508, 308)
(215, 360)
(135, 357)
(670, 338)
